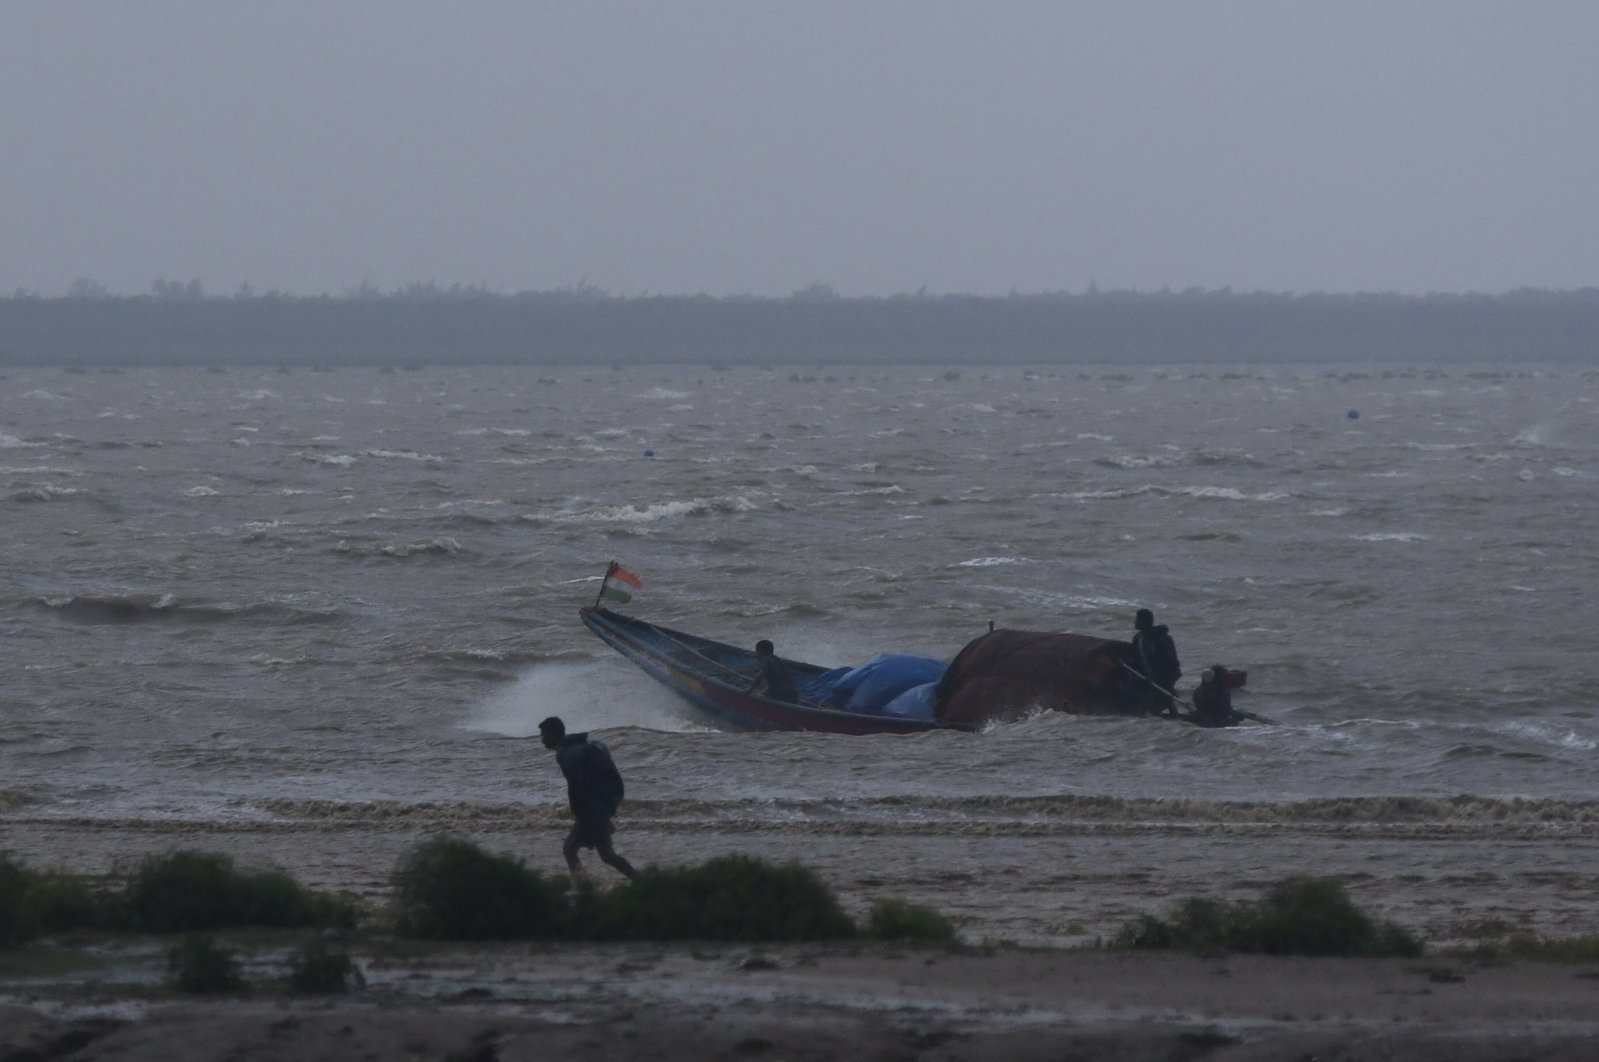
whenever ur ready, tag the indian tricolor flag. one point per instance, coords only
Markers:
(616, 574)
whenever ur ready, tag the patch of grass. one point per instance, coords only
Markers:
(39, 961)
(1530, 947)
(450, 889)
(317, 969)
(1298, 916)
(201, 966)
(186, 891)
(895, 919)
(728, 898)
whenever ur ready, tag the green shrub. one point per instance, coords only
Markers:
(729, 898)
(1298, 916)
(275, 898)
(1146, 933)
(61, 902)
(182, 891)
(451, 889)
(894, 919)
(198, 964)
(1195, 924)
(17, 924)
(188, 890)
(317, 969)
(1315, 916)
(34, 901)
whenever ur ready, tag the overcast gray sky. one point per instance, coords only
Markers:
(684, 146)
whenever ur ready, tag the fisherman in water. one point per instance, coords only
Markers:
(1154, 656)
(593, 789)
(1213, 698)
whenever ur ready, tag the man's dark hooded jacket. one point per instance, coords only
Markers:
(1155, 656)
(593, 784)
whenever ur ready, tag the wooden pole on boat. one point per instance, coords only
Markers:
(1157, 686)
(609, 568)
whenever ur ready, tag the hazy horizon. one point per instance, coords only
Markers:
(724, 148)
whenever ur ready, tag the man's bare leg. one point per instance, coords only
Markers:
(610, 858)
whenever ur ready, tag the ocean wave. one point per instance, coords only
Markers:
(44, 492)
(405, 455)
(41, 470)
(1197, 491)
(892, 488)
(1139, 460)
(167, 608)
(649, 512)
(438, 547)
(1237, 458)
(1478, 750)
(12, 799)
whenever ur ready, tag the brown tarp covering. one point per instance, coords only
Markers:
(1005, 675)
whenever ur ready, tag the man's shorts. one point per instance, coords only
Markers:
(590, 831)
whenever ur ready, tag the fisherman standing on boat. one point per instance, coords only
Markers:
(773, 678)
(593, 789)
(1154, 656)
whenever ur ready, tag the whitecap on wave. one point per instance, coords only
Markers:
(44, 492)
(1392, 536)
(405, 455)
(644, 513)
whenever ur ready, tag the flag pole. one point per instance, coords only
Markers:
(609, 568)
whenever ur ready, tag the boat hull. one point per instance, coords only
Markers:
(713, 677)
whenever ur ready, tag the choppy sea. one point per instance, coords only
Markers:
(258, 596)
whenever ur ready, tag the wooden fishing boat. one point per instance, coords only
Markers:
(715, 677)
(1000, 676)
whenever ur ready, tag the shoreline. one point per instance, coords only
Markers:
(1006, 887)
(1039, 995)
(808, 1002)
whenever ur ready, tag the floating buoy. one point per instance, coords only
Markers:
(649, 453)
(1354, 414)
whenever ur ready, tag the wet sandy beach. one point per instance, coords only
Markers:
(514, 1002)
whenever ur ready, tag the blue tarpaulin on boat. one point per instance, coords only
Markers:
(870, 688)
(917, 702)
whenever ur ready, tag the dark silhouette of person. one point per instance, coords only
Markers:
(594, 791)
(1154, 656)
(1213, 698)
(773, 678)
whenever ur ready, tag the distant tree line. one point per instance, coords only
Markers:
(178, 323)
